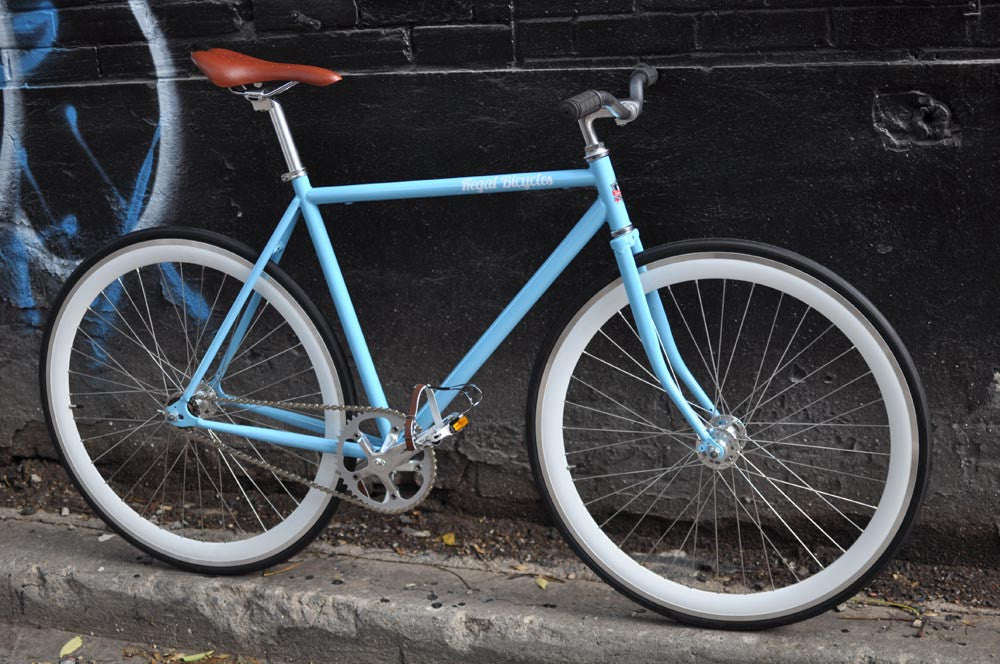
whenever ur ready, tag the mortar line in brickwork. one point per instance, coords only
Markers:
(513, 33)
(531, 70)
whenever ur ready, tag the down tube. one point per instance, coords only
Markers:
(572, 244)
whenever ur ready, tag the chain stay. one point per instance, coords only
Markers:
(288, 475)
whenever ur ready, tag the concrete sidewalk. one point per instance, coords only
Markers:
(335, 607)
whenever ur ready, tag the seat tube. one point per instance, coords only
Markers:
(341, 299)
(625, 244)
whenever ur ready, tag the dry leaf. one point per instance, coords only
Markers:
(541, 582)
(287, 568)
(448, 539)
(71, 646)
(520, 567)
(197, 658)
(479, 549)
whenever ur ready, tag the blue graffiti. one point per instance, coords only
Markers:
(22, 246)
(38, 27)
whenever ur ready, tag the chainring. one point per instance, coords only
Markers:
(389, 480)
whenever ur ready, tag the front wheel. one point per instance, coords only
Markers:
(828, 458)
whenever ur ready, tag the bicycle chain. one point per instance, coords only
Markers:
(288, 475)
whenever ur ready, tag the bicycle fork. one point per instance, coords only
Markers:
(650, 316)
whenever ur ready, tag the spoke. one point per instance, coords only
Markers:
(674, 468)
(627, 354)
(670, 527)
(823, 424)
(247, 395)
(187, 337)
(822, 398)
(273, 474)
(166, 473)
(761, 449)
(130, 456)
(617, 443)
(159, 359)
(107, 392)
(131, 432)
(736, 343)
(694, 341)
(787, 362)
(713, 364)
(208, 319)
(764, 539)
(646, 431)
(261, 492)
(181, 320)
(694, 525)
(784, 352)
(771, 480)
(239, 484)
(797, 383)
(633, 472)
(793, 503)
(620, 417)
(614, 401)
(218, 491)
(768, 443)
(118, 431)
(767, 347)
(156, 461)
(113, 382)
(136, 381)
(651, 505)
(739, 534)
(811, 488)
(780, 518)
(658, 388)
(634, 484)
(152, 326)
(262, 339)
(125, 290)
(266, 359)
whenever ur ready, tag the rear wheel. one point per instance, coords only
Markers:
(827, 455)
(125, 335)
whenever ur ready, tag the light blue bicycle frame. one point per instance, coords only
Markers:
(648, 312)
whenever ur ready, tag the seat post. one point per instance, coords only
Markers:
(285, 140)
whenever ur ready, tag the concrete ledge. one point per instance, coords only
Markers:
(335, 607)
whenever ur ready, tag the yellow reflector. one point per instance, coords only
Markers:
(460, 423)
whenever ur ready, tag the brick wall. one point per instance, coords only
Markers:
(102, 40)
(832, 150)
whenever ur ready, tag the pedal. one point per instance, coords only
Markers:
(441, 427)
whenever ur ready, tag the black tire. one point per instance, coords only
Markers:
(840, 286)
(282, 278)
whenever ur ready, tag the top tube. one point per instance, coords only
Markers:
(477, 184)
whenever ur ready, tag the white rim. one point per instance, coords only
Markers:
(869, 546)
(85, 291)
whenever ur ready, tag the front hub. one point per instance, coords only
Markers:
(729, 437)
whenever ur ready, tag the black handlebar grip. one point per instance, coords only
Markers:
(648, 72)
(582, 105)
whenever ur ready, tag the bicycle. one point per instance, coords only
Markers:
(205, 410)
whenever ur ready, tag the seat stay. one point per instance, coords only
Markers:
(289, 219)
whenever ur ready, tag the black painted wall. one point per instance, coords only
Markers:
(862, 134)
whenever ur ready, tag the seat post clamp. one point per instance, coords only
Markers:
(291, 175)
